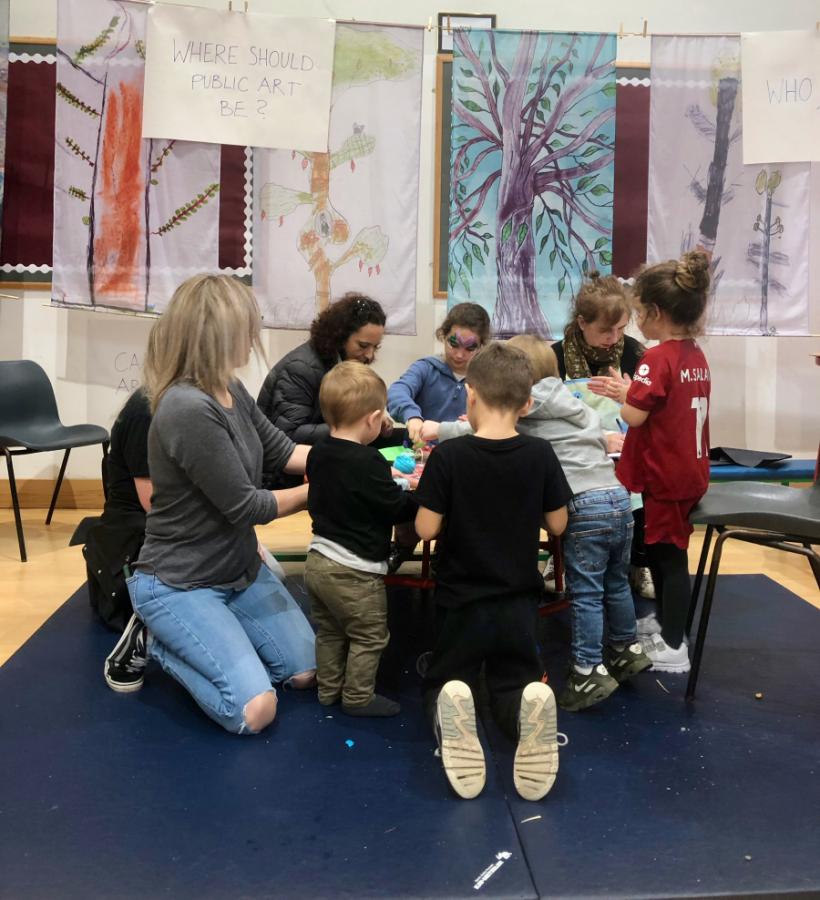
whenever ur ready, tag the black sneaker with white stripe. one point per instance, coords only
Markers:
(125, 664)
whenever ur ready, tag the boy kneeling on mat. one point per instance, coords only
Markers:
(486, 497)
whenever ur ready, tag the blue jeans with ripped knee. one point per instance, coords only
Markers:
(597, 546)
(225, 647)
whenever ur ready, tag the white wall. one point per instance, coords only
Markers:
(765, 390)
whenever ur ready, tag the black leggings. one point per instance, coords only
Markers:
(670, 572)
(638, 557)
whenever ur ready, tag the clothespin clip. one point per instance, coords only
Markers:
(621, 31)
(645, 25)
(449, 28)
(230, 5)
(430, 24)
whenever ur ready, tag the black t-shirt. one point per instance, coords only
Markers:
(128, 455)
(493, 495)
(352, 498)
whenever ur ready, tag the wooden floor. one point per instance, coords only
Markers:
(30, 592)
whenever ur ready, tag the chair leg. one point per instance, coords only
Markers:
(57, 487)
(704, 557)
(813, 562)
(15, 502)
(704, 615)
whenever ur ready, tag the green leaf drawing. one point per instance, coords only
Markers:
(562, 284)
(601, 242)
(561, 237)
(468, 261)
(77, 150)
(463, 279)
(183, 213)
(543, 243)
(506, 231)
(606, 257)
(553, 254)
(473, 106)
(523, 231)
(100, 41)
(586, 181)
(591, 150)
(451, 277)
(65, 94)
(477, 253)
(538, 220)
(609, 88)
(600, 189)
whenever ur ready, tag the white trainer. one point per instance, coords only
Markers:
(641, 580)
(461, 752)
(665, 658)
(648, 625)
(536, 757)
(549, 575)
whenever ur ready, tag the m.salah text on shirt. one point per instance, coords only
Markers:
(694, 375)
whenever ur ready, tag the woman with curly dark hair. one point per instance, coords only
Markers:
(350, 328)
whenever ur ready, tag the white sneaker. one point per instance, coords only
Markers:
(461, 752)
(536, 757)
(641, 580)
(648, 626)
(549, 575)
(664, 658)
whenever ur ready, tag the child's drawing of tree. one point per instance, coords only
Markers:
(760, 253)
(361, 57)
(531, 170)
(715, 127)
(114, 199)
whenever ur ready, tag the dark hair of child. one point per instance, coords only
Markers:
(501, 376)
(466, 315)
(600, 298)
(677, 287)
(330, 330)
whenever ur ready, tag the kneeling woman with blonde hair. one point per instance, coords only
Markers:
(218, 621)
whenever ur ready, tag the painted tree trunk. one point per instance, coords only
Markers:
(516, 308)
(764, 266)
(119, 262)
(319, 263)
(726, 97)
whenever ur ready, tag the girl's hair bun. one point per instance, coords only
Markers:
(692, 272)
(594, 275)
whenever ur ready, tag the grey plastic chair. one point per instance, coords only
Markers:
(30, 423)
(770, 515)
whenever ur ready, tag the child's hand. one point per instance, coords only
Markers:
(429, 431)
(614, 442)
(414, 427)
(615, 386)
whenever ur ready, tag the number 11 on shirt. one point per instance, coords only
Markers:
(701, 408)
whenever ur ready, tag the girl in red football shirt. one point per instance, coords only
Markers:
(666, 452)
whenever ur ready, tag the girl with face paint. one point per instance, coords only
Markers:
(433, 387)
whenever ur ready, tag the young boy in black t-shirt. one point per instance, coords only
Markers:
(486, 496)
(354, 503)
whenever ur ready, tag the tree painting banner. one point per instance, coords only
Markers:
(532, 146)
(754, 219)
(346, 219)
(132, 218)
(238, 78)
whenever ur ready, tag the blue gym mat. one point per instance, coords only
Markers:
(141, 795)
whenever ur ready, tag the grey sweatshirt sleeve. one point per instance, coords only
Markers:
(449, 430)
(195, 436)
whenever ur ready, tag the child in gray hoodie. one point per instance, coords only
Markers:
(598, 538)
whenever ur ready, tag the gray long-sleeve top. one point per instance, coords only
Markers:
(573, 429)
(205, 464)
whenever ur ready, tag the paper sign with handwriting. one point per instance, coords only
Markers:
(238, 78)
(781, 96)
